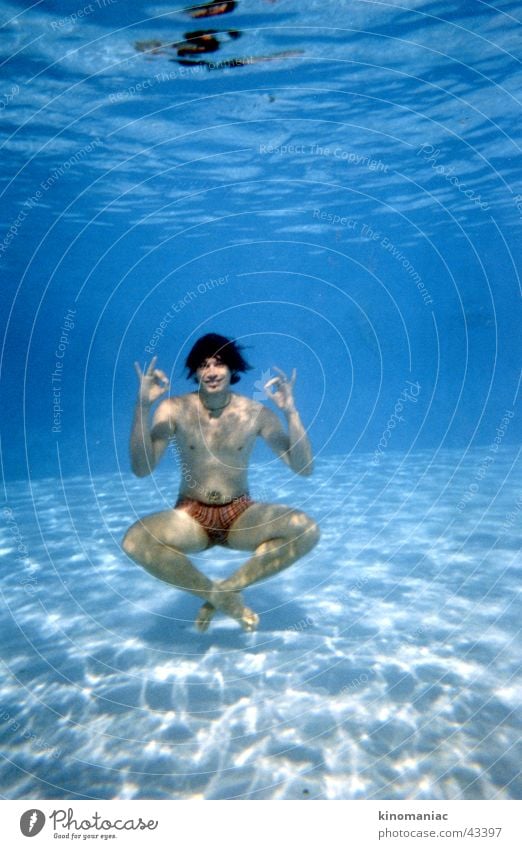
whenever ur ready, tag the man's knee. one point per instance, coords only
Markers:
(312, 533)
(132, 542)
(307, 531)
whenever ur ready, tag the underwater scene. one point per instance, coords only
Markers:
(338, 188)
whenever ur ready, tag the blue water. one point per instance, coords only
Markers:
(351, 208)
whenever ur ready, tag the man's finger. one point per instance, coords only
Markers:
(281, 372)
(268, 394)
(294, 375)
(150, 369)
(160, 375)
(138, 370)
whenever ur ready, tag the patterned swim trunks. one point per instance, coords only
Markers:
(216, 519)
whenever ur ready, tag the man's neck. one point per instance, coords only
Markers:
(216, 400)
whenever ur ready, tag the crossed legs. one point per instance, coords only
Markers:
(160, 544)
(277, 535)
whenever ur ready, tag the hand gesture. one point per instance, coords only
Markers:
(153, 383)
(280, 390)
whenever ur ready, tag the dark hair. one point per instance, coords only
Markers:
(215, 345)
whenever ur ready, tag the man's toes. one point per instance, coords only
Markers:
(249, 620)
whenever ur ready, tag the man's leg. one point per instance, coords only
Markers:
(277, 534)
(160, 542)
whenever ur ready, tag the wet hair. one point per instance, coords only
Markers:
(215, 345)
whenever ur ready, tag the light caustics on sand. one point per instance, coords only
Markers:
(385, 666)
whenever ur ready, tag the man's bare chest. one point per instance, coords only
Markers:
(216, 436)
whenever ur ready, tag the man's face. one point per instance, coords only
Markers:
(213, 375)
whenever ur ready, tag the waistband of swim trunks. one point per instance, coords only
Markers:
(184, 499)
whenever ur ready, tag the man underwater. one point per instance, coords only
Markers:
(214, 430)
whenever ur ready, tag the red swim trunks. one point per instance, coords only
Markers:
(216, 519)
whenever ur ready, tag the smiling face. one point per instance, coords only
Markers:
(213, 376)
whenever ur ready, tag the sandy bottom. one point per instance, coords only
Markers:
(387, 663)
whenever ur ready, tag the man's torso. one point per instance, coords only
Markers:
(214, 448)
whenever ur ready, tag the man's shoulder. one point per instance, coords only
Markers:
(179, 401)
(174, 404)
(257, 416)
(246, 403)
(243, 399)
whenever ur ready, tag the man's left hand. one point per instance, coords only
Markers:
(280, 390)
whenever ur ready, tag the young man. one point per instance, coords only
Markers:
(214, 430)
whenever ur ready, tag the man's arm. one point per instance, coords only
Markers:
(148, 443)
(293, 447)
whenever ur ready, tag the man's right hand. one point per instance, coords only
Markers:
(153, 383)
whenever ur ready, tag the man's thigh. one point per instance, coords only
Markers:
(261, 522)
(174, 528)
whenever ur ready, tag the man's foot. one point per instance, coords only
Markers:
(205, 616)
(250, 620)
(232, 605)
